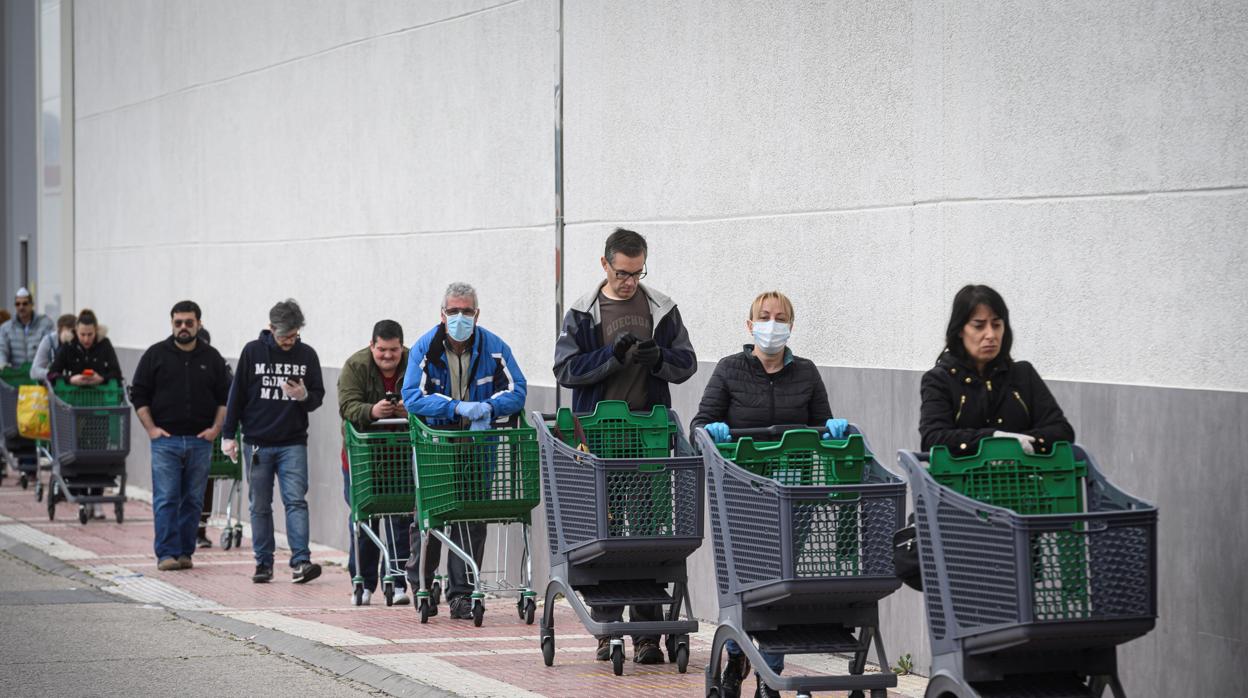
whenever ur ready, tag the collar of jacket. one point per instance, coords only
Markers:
(660, 303)
(436, 355)
(960, 368)
(171, 344)
(757, 364)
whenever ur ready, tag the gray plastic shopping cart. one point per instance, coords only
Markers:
(803, 531)
(1035, 568)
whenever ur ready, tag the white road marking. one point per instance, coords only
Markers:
(134, 585)
(47, 543)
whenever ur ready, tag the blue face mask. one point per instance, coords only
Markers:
(459, 327)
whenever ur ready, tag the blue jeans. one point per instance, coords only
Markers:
(774, 661)
(370, 554)
(179, 477)
(289, 464)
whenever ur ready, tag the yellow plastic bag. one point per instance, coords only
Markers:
(32, 412)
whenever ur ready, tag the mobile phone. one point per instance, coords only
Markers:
(393, 398)
(88, 372)
(646, 344)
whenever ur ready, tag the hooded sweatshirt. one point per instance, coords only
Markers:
(257, 402)
(182, 389)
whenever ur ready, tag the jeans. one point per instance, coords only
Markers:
(370, 554)
(179, 474)
(774, 661)
(289, 464)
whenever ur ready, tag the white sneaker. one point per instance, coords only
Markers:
(365, 600)
(400, 598)
(97, 511)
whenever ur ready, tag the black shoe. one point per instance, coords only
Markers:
(646, 651)
(263, 574)
(461, 608)
(201, 540)
(604, 649)
(765, 691)
(305, 572)
(735, 671)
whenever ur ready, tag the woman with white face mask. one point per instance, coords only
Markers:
(763, 385)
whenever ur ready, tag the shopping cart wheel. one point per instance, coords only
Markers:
(478, 612)
(682, 658)
(227, 539)
(238, 535)
(617, 659)
(119, 512)
(51, 505)
(548, 651)
(357, 596)
(858, 694)
(435, 593)
(424, 610)
(876, 693)
(387, 588)
(83, 515)
(38, 490)
(530, 610)
(24, 481)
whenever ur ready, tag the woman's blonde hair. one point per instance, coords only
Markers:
(757, 305)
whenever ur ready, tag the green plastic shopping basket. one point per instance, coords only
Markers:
(380, 462)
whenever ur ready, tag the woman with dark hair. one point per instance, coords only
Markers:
(87, 359)
(976, 390)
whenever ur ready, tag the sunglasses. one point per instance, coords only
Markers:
(184, 323)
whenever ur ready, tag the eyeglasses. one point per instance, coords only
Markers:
(22, 304)
(452, 312)
(626, 275)
(189, 322)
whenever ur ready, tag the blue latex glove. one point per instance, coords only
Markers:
(718, 432)
(472, 411)
(836, 428)
(479, 425)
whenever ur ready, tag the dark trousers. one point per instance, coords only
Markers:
(207, 512)
(469, 536)
(396, 532)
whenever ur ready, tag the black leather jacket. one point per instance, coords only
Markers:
(744, 396)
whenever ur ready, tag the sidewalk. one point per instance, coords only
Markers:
(386, 648)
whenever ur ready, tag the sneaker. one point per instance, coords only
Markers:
(263, 574)
(604, 649)
(169, 564)
(185, 562)
(647, 651)
(735, 670)
(765, 691)
(366, 598)
(201, 540)
(400, 597)
(97, 512)
(305, 572)
(461, 608)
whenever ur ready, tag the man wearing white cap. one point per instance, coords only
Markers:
(20, 337)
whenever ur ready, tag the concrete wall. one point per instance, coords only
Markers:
(1087, 159)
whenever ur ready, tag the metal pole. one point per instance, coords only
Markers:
(559, 192)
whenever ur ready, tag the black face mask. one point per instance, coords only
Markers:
(181, 339)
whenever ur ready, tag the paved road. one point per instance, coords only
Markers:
(66, 638)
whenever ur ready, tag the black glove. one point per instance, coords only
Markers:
(622, 344)
(648, 354)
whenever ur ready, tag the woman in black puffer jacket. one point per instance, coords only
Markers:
(976, 390)
(763, 385)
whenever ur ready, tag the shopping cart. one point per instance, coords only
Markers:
(19, 454)
(487, 476)
(89, 445)
(1035, 568)
(220, 467)
(382, 486)
(624, 493)
(803, 531)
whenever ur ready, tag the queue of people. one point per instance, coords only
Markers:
(623, 340)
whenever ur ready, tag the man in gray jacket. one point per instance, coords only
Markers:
(20, 337)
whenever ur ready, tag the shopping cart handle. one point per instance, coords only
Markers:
(392, 421)
(774, 430)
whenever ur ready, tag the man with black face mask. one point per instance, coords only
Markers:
(179, 392)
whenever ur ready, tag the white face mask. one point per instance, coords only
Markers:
(770, 336)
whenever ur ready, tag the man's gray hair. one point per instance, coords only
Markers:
(286, 317)
(459, 289)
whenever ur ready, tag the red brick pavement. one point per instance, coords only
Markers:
(504, 649)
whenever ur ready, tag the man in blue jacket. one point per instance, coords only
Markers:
(463, 375)
(624, 341)
(277, 384)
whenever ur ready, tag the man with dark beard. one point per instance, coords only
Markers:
(180, 391)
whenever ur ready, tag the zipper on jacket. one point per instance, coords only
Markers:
(989, 384)
(961, 403)
(1020, 401)
(772, 385)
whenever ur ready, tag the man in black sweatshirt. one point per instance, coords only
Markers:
(179, 392)
(277, 384)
